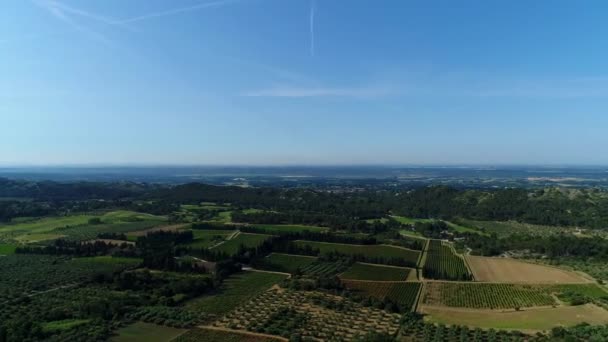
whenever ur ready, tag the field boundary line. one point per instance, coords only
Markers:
(382, 281)
(297, 255)
(249, 269)
(419, 297)
(232, 236)
(382, 265)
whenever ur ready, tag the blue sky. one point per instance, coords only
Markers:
(303, 82)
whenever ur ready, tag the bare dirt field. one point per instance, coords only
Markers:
(505, 270)
(528, 320)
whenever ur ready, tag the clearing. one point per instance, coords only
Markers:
(505, 270)
(527, 320)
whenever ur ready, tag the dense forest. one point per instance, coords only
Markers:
(551, 206)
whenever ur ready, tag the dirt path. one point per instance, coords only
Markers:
(249, 269)
(243, 332)
(230, 237)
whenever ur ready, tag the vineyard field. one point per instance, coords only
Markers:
(486, 295)
(402, 293)
(443, 263)
(361, 271)
(231, 247)
(380, 252)
(287, 262)
(325, 268)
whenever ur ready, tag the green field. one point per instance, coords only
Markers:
(369, 251)
(359, 271)
(288, 262)
(235, 291)
(66, 324)
(508, 228)
(231, 247)
(205, 238)
(107, 260)
(76, 227)
(287, 228)
(146, 332)
(20, 231)
(6, 249)
(409, 220)
(129, 216)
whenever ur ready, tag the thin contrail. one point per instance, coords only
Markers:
(176, 11)
(312, 28)
(56, 10)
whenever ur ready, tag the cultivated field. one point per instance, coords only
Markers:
(442, 262)
(528, 320)
(6, 249)
(231, 247)
(369, 251)
(144, 332)
(325, 268)
(287, 228)
(288, 262)
(485, 295)
(363, 271)
(402, 293)
(206, 238)
(234, 291)
(311, 314)
(504, 270)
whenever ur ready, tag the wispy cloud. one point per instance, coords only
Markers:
(312, 28)
(177, 11)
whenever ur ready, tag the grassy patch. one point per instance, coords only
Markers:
(359, 271)
(66, 324)
(6, 249)
(410, 220)
(146, 332)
